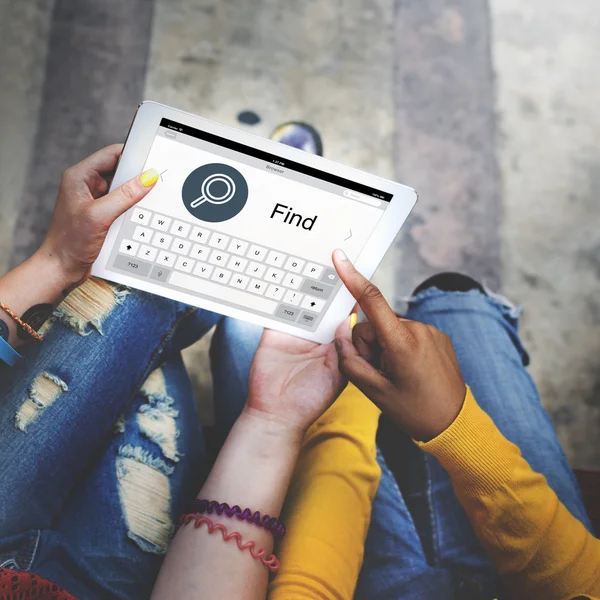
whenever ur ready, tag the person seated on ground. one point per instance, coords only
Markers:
(103, 453)
(101, 447)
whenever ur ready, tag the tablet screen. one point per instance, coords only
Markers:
(245, 227)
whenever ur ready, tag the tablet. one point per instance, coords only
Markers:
(245, 226)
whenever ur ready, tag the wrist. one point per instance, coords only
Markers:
(54, 267)
(271, 427)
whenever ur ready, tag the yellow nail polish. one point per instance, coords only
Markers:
(353, 319)
(149, 177)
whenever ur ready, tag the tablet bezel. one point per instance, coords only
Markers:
(137, 147)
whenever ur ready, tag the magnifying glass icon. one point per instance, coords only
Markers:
(206, 195)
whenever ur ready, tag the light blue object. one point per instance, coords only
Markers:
(8, 354)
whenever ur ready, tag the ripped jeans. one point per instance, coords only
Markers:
(100, 444)
(101, 449)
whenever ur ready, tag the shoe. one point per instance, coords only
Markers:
(450, 282)
(299, 135)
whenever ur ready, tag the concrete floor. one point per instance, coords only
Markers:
(487, 107)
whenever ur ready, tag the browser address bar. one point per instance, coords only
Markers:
(361, 198)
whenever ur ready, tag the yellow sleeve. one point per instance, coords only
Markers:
(537, 546)
(328, 507)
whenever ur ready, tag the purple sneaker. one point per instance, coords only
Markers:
(299, 135)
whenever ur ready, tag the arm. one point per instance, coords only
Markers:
(292, 382)
(538, 547)
(82, 217)
(253, 470)
(328, 507)
(38, 284)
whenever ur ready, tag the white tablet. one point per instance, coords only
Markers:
(245, 226)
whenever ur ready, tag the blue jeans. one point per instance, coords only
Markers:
(100, 445)
(421, 544)
(101, 448)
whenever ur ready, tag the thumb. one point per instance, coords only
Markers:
(363, 375)
(121, 199)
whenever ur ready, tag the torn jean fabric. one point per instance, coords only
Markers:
(94, 425)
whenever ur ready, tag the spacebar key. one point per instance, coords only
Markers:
(208, 288)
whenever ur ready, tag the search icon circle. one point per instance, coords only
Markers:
(208, 194)
(215, 192)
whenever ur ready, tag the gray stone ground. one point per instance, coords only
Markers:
(489, 108)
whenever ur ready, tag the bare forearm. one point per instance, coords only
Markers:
(40, 284)
(253, 469)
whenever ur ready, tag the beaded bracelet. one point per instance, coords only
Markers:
(271, 524)
(32, 332)
(271, 561)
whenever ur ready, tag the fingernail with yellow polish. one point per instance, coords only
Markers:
(149, 178)
(353, 319)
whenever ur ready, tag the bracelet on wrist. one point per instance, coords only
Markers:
(272, 524)
(270, 561)
(25, 326)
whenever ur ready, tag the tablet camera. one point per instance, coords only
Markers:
(215, 192)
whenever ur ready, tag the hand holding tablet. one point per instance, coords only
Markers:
(245, 226)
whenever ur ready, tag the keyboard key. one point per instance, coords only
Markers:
(218, 258)
(160, 273)
(199, 234)
(221, 275)
(161, 223)
(313, 270)
(287, 312)
(274, 275)
(147, 253)
(180, 229)
(294, 264)
(312, 303)
(203, 270)
(292, 297)
(275, 259)
(239, 281)
(237, 264)
(141, 216)
(166, 259)
(238, 247)
(257, 287)
(181, 246)
(275, 292)
(218, 240)
(330, 276)
(257, 252)
(256, 269)
(316, 288)
(184, 264)
(142, 234)
(292, 281)
(162, 240)
(124, 263)
(200, 252)
(308, 319)
(129, 248)
(208, 288)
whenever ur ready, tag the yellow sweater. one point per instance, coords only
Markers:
(537, 546)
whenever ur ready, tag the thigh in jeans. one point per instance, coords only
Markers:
(232, 350)
(395, 566)
(111, 536)
(57, 406)
(484, 334)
